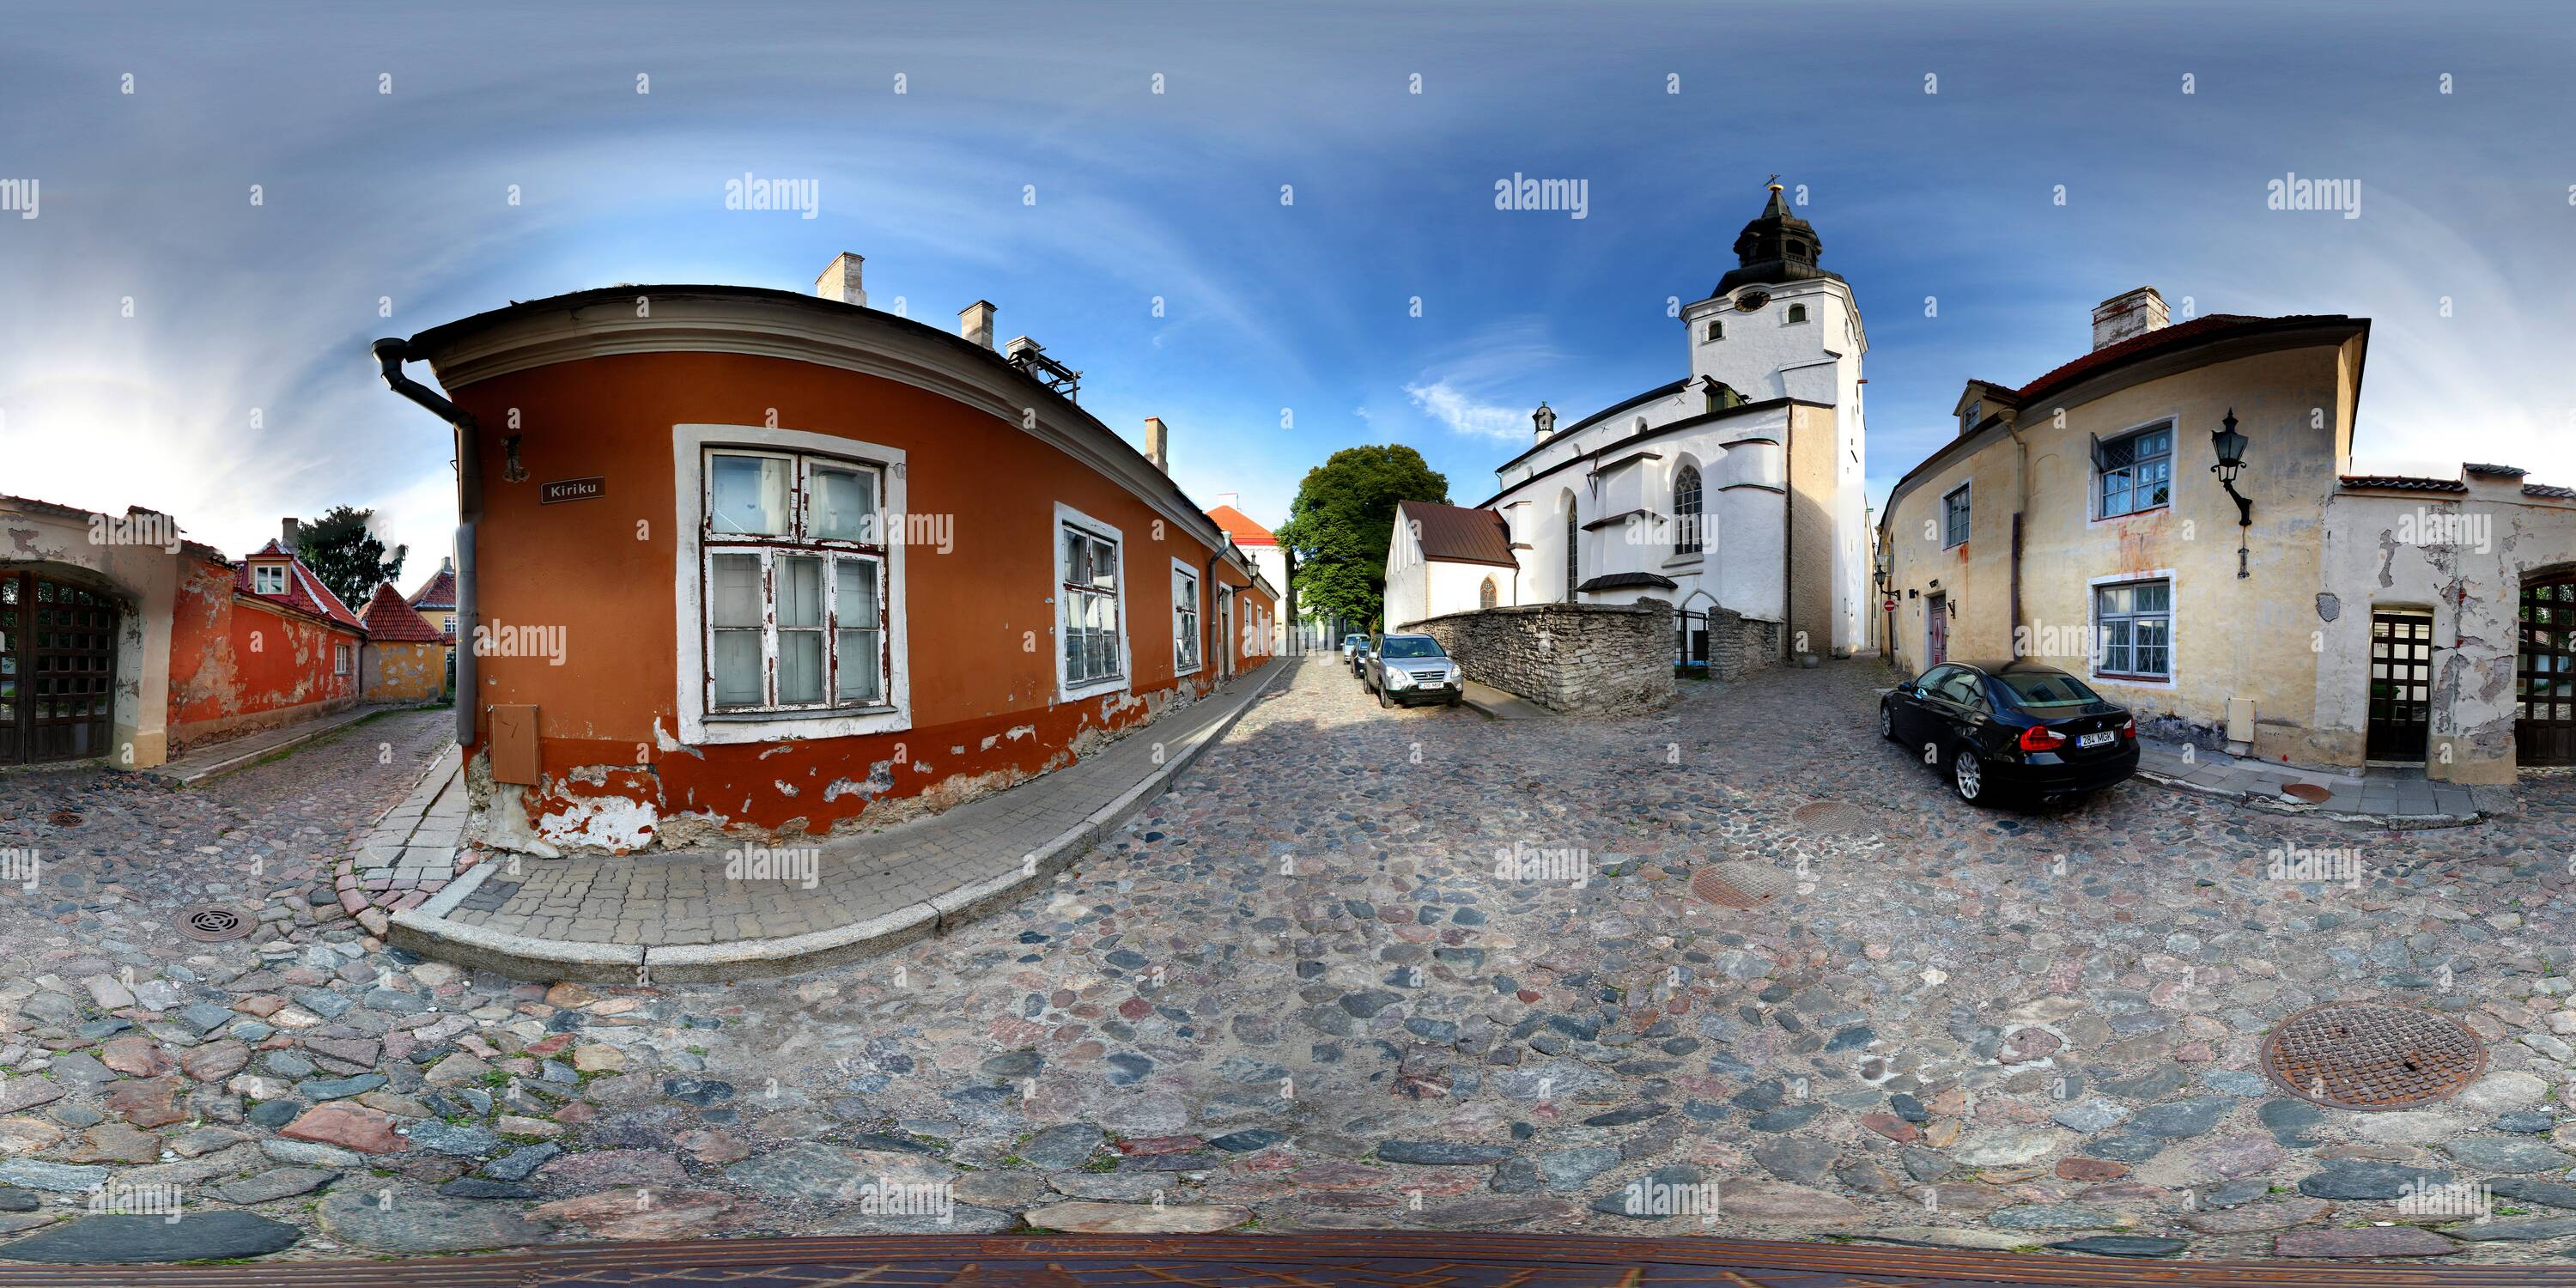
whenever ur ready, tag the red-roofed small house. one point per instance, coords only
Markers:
(435, 601)
(258, 645)
(404, 659)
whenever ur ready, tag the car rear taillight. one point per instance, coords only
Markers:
(2129, 728)
(2041, 738)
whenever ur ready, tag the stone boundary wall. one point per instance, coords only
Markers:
(1574, 659)
(1739, 645)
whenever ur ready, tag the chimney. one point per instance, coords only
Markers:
(1158, 444)
(975, 322)
(2128, 314)
(840, 281)
(287, 532)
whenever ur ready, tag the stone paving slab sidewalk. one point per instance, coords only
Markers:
(411, 852)
(212, 759)
(2400, 801)
(691, 917)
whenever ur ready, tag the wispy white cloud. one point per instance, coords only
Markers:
(1463, 413)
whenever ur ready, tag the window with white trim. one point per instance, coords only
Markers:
(343, 659)
(2134, 623)
(1087, 603)
(795, 582)
(2135, 472)
(268, 579)
(1185, 619)
(1954, 517)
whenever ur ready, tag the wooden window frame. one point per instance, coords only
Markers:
(1120, 678)
(1188, 632)
(2101, 628)
(1967, 515)
(2101, 477)
(260, 572)
(768, 549)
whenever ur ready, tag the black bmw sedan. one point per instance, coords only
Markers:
(2012, 727)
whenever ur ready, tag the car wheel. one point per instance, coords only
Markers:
(1886, 722)
(1454, 698)
(1968, 777)
(1384, 701)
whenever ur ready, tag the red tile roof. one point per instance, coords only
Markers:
(391, 621)
(1241, 527)
(2403, 483)
(304, 591)
(439, 592)
(1456, 534)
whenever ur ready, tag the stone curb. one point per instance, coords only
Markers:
(2261, 801)
(344, 879)
(426, 930)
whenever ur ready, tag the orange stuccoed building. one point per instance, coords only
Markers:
(736, 561)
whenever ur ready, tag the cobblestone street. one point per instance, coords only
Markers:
(1369, 968)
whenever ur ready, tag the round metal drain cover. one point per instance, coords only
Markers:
(1741, 885)
(214, 925)
(2371, 1055)
(1830, 816)
(2309, 792)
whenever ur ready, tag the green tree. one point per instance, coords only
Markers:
(1342, 521)
(347, 557)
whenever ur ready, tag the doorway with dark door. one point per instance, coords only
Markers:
(2401, 685)
(57, 669)
(2544, 726)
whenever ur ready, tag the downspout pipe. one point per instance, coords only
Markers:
(390, 356)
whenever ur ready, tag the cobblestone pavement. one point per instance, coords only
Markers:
(1300, 990)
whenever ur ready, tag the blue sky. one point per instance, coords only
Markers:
(239, 389)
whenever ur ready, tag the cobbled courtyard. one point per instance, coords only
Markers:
(1359, 968)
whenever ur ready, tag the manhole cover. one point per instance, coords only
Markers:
(1830, 816)
(2309, 792)
(2370, 1055)
(1741, 885)
(212, 925)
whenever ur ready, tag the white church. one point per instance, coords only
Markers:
(1733, 494)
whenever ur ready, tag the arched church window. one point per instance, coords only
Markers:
(1797, 313)
(1573, 536)
(1485, 594)
(1716, 331)
(1686, 519)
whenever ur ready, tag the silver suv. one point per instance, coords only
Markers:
(1409, 669)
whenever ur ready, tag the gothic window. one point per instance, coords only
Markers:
(1686, 519)
(1485, 594)
(1573, 536)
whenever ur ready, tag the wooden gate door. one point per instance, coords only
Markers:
(2544, 727)
(57, 670)
(2401, 685)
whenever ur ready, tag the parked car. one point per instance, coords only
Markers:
(1997, 728)
(1351, 646)
(1405, 669)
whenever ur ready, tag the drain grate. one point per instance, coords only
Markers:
(211, 924)
(2309, 792)
(1741, 885)
(1831, 816)
(2371, 1055)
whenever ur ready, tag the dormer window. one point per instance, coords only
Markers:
(268, 579)
(1797, 314)
(1968, 419)
(1716, 332)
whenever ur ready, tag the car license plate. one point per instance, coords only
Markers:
(2095, 739)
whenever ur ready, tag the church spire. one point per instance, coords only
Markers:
(1776, 247)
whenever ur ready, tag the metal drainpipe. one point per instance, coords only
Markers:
(390, 355)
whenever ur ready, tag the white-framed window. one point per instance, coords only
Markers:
(1954, 517)
(2133, 472)
(1797, 314)
(795, 585)
(1091, 629)
(2133, 630)
(1185, 619)
(268, 579)
(344, 659)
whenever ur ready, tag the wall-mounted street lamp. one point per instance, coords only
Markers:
(2230, 447)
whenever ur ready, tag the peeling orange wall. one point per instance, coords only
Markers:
(237, 665)
(981, 619)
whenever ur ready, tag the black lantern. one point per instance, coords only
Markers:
(2230, 447)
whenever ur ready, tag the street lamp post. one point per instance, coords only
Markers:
(2230, 447)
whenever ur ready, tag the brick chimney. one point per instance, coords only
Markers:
(975, 322)
(287, 531)
(1158, 444)
(840, 281)
(2127, 315)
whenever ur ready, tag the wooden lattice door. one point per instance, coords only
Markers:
(2544, 727)
(2401, 685)
(57, 669)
